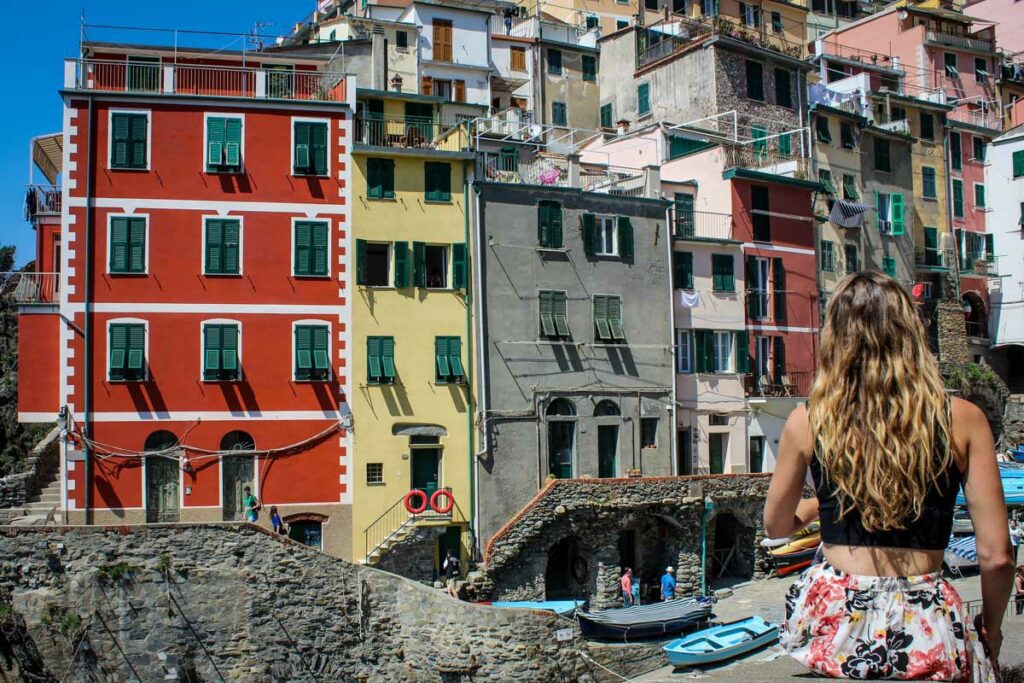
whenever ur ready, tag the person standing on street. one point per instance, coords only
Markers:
(452, 571)
(1016, 536)
(1018, 585)
(626, 582)
(668, 584)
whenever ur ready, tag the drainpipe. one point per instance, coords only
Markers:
(471, 472)
(482, 384)
(709, 507)
(87, 336)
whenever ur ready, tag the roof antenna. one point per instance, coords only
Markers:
(255, 36)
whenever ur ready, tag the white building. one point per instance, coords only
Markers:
(1004, 174)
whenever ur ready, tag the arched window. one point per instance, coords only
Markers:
(560, 407)
(237, 441)
(606, 408)
(160, 440)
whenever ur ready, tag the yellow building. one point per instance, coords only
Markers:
(412, 397)
(778, 24)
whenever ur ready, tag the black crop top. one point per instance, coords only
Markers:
(930, 532)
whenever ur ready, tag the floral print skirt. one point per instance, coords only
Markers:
(870, 627)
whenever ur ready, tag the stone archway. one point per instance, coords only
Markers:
(731, 547)
(567, 570)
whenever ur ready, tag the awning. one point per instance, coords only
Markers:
(48, 154)
(418, 430)
(965, 548)
(847, 214)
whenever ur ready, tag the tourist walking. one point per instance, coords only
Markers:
(1018, 586)
(888, 450)
(668, 584)
(251, 505)
(626, 582)
(1016, 536)
(276, 522)
(452, 572)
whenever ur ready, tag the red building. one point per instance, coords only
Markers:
(195, 334)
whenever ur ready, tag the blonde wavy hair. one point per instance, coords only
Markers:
(878, 408)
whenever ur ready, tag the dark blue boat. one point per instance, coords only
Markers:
(645, 621)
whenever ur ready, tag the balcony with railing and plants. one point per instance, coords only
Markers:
(42, 200)
(756, 156)
(30, 288)
(898, 127)
(702, 226)
(979, 264)
(932, 258)
(794, 385)
(396, 523)
(986, 117)
(411, 132)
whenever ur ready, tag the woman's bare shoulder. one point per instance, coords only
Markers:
(966, 415)
(798, 428)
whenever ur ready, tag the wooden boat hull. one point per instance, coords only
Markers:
(645, 621)
(811, 541)
(721, 643)
(787, 564)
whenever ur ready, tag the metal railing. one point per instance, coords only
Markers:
(507, 122)
(976, 328)
(900, 126)
(657, 42)
(30, 288)
(41, 200)
(410, 132)
(931, 257)
(963, 42)
(979, 264)
(795, 384)
(702, 225)
(516, 27)
(612, 180)
(765, 160)
(981, 118)
(182, 78)
(397, 518)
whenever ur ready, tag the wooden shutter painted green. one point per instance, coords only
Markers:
(643, 99)
(401, 263)
(558, 309)
(220, 352)
(779, 289)
(312, 358)
(222, 240)
(215, 142)
(120, 134)
(821, 129)
(1018, 163)
(374, 184)
(303, 351)
(785, 144)
(979, 196)
(387, 357)
(137, 157)
(437, 182)
(233, 144)
(136, 351)
(118, 245)
(136, 245)
(956, 157)
(625, 237)
(547, 314)
(990, 247)
(442, 371)
(303, 247)
(722, 273)
(231, 241)
(455, 358)
(302, 156)
(374, 371)
(549, 224)
(321, 352)
(311, 249)
(606, 116)
(320, 250)
(589, 233)
(707, 350)
(127, 351)
(928, 182)
(889, 266)
(128, 141)
(779, 356)
(682, 269)
(601, 317)
(896, 206)
(742, 352)
(753, 294)
(127, 245)
(419, 264)
(318, 148)
(387, 178)
(699, 364)
(361, 262)
(958, 198)
(615, 318)
(760, 145)
(459, 266)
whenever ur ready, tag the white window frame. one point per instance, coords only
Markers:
(762, 267)
(145, 352)
(390, 250)
(202, 350)
(684, 352)
(330, 350)
(763, 356)
(145, 258)
(602, 223)
(291, 153)
(206, 147)
(446, 269)
(729, 365)
(149, 139)
(885, 217)
(330, 248)
(241, 242)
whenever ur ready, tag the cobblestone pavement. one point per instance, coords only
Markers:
(766, 598)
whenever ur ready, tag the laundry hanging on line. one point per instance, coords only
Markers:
(689, 299)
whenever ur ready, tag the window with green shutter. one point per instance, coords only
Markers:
(128, 141)
(682, 269)
(223, 144)
(221, 248)
(761, 213)
(956, 157)
(437, 181)
(311, 248)
(821, 129)
(127, 352)
(312, 352)
(460, 266)
(927, 126)
(928, 182)
(380, 360)
(380, 178)
(127, 245)
(608, 318)
(402, 273)
(559, 114)
(889, 266)
(896, 209)
(958, 198)
(1018, 164)
(979, 195)
(828, 257)
(850, 187)
(448, 360)
(309, 156)
(607, 118)
(760, 145)
(554, 321)
(722, 275)
(549, 224)
(220, 353)
(825, 178)
(625, 228)
(643, 99)
(785, 144)
(589, 68)
(852, 259)
(779, 293)
(978, 148)
(846, 136)
(990, 247)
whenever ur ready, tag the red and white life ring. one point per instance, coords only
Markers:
(448, 506)
(417, 509)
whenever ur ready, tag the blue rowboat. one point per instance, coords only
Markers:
(719, 643)
(563, 607)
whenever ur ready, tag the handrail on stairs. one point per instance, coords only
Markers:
(396, 518)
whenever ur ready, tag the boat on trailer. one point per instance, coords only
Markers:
(562, 607)
(721, 643)
(646, 621)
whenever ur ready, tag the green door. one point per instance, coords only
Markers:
(560, 442)
(236, 474)
(931, 247)
(716, 444)
(607, 448)
(161, 489)
(425, 463)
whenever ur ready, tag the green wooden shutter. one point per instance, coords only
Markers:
(625, 237)
(302, 156)
(387, 358)
(1018, 163)
(361, 262)
(120, 136)
(442, 367)
(118, 245)
(211, 352)
(601, 317)
(374, 370)
(455, 358)
(547, 314)
(589, 233)
(979, 196)
(544, 224)
(615, 318)
(958, 198)
(229, 351)
(699, 364)
(136, 245)
(779, 287)
(320, 250)
(303, 247)
(303, 351)
(318, 148)
(879, 218)
(118, 350)
(138, 125)
(990, 247)
(779, 356)
(753, 298)
(558, 308)
(401, 263)
(374, 186)
(556, 225)
(430, 184)
(708, 351)
(136, 350)
(459, 270)
(321, 352)
(214, 246)
(231, 242)
(896, 202)
(387, 178)
(437, 182)
(889, 266)
(723, 276)
(682, 267)
(419, 264)
(742, 352)
(233, 143)
(215, 141)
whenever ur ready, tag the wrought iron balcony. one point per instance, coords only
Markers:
(42, 200)
(929, 258)
(30, 288)
(702, 225)
(416, 132)
(795, 384)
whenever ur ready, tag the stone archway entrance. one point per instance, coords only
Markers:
(732, 544)
(565, 576)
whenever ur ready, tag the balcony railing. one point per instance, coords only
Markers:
(702, 225)
(979, 265)
(901, 126)
(169, 78)
(963, 42)
(512, 122)
(414, 132)
(765, 160)
(976, 329)
(666, 38)
(556, 171)
(30, 288)
(42, 200)
(779, 385)
(980, 118)
(612, 180)
(517, 27)
(929, 257)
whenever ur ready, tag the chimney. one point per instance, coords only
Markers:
(378, 59)
(622, 126)
(652, 181)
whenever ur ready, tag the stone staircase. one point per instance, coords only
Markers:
(399, 535)
(38, 509)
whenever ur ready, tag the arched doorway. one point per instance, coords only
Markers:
(566, 574)
(163, 477)
(732, 548)
(306, 528)
(561, 418)
(975, 315)
(237, 473)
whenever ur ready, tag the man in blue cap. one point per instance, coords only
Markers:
(668, 584)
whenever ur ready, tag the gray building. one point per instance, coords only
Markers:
(887, 242)
(574, 329)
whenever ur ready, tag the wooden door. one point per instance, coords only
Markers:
(442, 40)
(607, 449)
(237, 472)
(161, 489)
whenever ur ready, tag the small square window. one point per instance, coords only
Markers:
(436, 259)
(606, 243)
(554, 62)
(374, 473)
(648, 432)
(401, 39)
(559, 115)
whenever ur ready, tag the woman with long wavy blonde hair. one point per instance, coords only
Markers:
(887, 451)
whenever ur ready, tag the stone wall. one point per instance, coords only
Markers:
(663, 515)
(413, 556)
(17, 489)
(233, 602)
